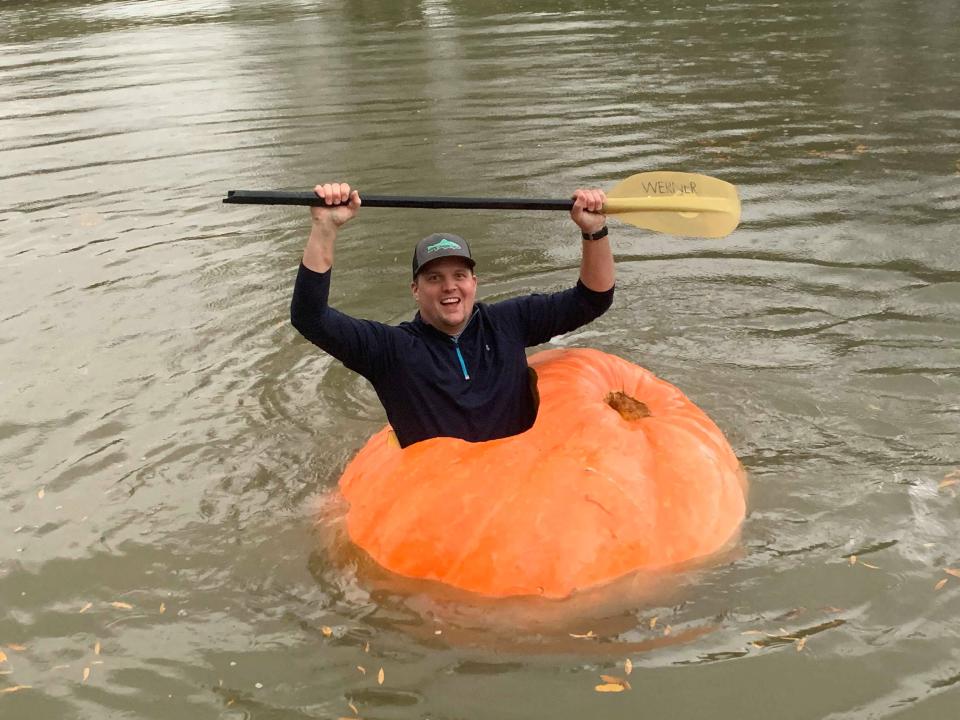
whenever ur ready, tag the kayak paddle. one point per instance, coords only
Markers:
(677, 203)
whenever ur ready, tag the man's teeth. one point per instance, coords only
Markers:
(450, 301)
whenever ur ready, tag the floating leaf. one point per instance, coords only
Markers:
(868, 565)
(366, 648)
(122, 605)
(792, 614)
(628, 666)
(948, 571)
(21, 648)
(86, 607)
(797, 635)
(326, 630)
(86, 673)
(653, 622)
(588, 634)
(753, 632)
(800, 643)
(947, 482)
(353, 707)
(853, 559)
(163, 608)
(15, 688)
(3, 656)
(96, 648)
(939, 585)
(40, 493)
(380, 677)
(667, 630)
(362, 669)
(614, 680)
(610, 687)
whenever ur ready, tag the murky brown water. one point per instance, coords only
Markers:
(165, 434)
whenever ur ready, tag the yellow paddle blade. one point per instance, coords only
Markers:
(677, 203)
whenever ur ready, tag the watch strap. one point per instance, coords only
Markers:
(601, 233)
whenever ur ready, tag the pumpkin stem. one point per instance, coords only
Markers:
(628, 407)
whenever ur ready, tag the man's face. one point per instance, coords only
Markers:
(445, 290)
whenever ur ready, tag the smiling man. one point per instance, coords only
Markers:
(459, 368)
(444, 284)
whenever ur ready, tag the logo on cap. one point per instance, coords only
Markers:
(442, 245)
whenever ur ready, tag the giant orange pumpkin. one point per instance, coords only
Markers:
(619, 473)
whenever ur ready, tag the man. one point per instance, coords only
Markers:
(459, 368)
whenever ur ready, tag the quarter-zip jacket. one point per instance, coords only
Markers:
(475, 387)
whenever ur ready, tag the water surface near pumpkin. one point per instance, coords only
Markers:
(164, 434)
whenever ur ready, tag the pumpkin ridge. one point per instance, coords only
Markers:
(627, 496)
(480, 528)
(714, 461)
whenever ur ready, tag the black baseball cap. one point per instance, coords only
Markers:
(440, 245)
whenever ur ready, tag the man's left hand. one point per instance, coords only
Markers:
(587, 210)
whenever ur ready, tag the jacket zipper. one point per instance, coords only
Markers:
(463, 365)
(456, 345)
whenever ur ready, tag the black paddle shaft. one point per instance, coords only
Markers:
(309, 198)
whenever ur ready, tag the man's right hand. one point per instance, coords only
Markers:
(318, 255)
(333, 213)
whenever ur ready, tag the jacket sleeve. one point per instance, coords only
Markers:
(539, 317)
(363, 346)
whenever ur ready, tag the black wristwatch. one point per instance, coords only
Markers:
(601, 233)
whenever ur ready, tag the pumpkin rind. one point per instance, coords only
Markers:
(580, 499)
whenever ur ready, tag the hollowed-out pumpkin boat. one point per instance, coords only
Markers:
(620, 473)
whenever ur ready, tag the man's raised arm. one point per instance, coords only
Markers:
(318, 254)
(596, 263)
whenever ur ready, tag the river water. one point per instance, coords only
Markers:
(165, 435)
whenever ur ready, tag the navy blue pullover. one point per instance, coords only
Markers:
(475, 387)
